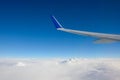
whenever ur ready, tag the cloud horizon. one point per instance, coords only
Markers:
(60, 69)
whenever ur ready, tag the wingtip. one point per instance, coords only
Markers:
(52, 16)
(56, 22)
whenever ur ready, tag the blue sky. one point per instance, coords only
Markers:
(26, 29)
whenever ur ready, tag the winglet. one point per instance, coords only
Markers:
(56, 23)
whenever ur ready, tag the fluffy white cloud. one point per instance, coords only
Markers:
(20, 64)
(60, 69)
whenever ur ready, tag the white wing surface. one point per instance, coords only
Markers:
(102, 38)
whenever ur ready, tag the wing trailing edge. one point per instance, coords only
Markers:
(99, 41)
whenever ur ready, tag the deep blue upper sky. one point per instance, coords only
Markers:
(26, 29)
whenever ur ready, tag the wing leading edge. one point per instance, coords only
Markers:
(102, 38)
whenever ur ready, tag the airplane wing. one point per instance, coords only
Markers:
(102, 38)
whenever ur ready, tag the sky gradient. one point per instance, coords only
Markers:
(26, 29)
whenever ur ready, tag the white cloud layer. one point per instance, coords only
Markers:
(60, 69)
